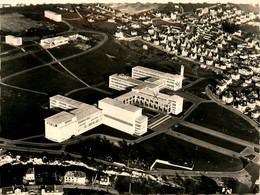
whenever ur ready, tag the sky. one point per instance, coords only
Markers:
(128, 1)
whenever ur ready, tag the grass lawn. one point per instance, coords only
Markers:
(88, 96)
(199, 89)
(46, 80)
(210, 139)
(18, 64)
(213, 116)
(64, 51)
(171, 149)
(95, 67)
(21, 113)
(5, 47)
(44, 56)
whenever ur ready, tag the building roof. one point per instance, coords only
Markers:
(67, 100)
(127, 78)
(141, 118)
(119, 104)
(84, 111)
(150, 86)
(157, 73)
(53, 188)
(75, 174)
(60, 117)
(125, 96)
(30, 171)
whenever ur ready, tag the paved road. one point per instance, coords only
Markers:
(219, 135)
(204, 144)
(9, 144)
(65, 58)
(193, 83)
(23, 89)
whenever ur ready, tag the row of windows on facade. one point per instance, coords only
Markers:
(54, 125)
(90, 124)
(121, 82)
(147, 100)
(118, 120)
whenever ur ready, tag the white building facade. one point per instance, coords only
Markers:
(173, 82)
(52, 15)
(54, 42)
(12, 40)
(75, 177)
(124, 117)
(119, 113)
(77, 118)
(122, 82)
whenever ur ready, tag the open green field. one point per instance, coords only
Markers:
(21, 113)
(46, 79)
(43, 55)
(64, 51)
(213, 116)
(19, 64)
(199, 89)
(95, 67)
(171, 149)
(162, 147)
(210, 139)
(88, 96)
(5, 47)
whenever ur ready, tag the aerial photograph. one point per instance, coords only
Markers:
(129, 97)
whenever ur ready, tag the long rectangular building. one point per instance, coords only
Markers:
(59, 101)
(52, 15)
(173, 82)
(122, 82)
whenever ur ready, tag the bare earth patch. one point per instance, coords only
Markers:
(134, 8)
(15, 22)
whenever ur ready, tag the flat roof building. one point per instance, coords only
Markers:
(122, 82)
(173, 82)
(118, 113)
(153, 99)
(12, 40)
(54, 42)
(77, 118)
(125, 117)
(59, 101)
(52, 15)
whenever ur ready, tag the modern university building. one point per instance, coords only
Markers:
(124, 112)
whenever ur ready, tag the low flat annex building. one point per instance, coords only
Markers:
(52, 15)
(12, 40)
(54, 42)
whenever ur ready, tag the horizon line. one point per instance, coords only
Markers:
(39, 2)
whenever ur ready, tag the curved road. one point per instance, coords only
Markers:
(10, 144)
(212, 97)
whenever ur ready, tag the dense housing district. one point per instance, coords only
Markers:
(103, 103)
